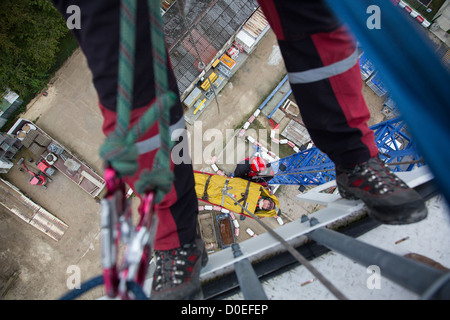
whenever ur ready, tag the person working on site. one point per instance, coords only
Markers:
(321, 59)
(254, 169)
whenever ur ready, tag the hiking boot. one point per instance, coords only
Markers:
(388, 198)
(177, 273)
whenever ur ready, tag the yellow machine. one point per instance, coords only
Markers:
(207, 83)
(226, 60)
(199, 104)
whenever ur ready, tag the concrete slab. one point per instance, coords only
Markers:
(278, 115)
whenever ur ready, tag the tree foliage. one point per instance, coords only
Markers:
(30, 31)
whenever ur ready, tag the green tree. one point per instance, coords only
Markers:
(30, 31)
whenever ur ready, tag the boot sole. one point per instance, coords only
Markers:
(412, 216)
(193, 289)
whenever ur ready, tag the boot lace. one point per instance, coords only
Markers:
(379, 176)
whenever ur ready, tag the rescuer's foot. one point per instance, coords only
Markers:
(177, 273)
(388, 198)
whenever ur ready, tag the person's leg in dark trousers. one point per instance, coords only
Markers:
(322, 63)
(176, 238)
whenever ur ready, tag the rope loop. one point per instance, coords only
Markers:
(119, 149)
(159, 181)
(120, 154)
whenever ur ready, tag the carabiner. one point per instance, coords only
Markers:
(138, 252)
(113, 207)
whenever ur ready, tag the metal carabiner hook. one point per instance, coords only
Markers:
(138, 252)
(113, 207)
(109, 247)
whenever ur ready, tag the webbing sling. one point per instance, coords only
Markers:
(244, 196)
(205, 192)
(224, 190)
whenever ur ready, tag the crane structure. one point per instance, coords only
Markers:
(313, 167)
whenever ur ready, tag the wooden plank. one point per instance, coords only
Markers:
(30, 212)
(92, 179)
(49, 224)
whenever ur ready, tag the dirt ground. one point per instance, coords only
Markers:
(37, 264)
(32, 265)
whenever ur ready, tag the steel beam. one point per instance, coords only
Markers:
(429, 282)
(313, 167)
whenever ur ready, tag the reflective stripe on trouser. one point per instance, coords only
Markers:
(321, 59)
(324, 72)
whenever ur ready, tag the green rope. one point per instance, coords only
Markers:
(127, 46)
(119, 149)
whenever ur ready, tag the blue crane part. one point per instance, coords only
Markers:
(313, 167)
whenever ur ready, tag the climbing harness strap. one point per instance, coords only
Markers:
(205, 192)
(244, 196)
(225, 190)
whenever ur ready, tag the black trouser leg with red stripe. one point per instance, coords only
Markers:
(99, 40)
(322, 63)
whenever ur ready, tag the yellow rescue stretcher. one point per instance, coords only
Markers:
(225, 191)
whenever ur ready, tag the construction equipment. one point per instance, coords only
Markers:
(45, 167)
(38, 179)
(207, 83)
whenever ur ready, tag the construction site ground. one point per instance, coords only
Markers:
(34, 266)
